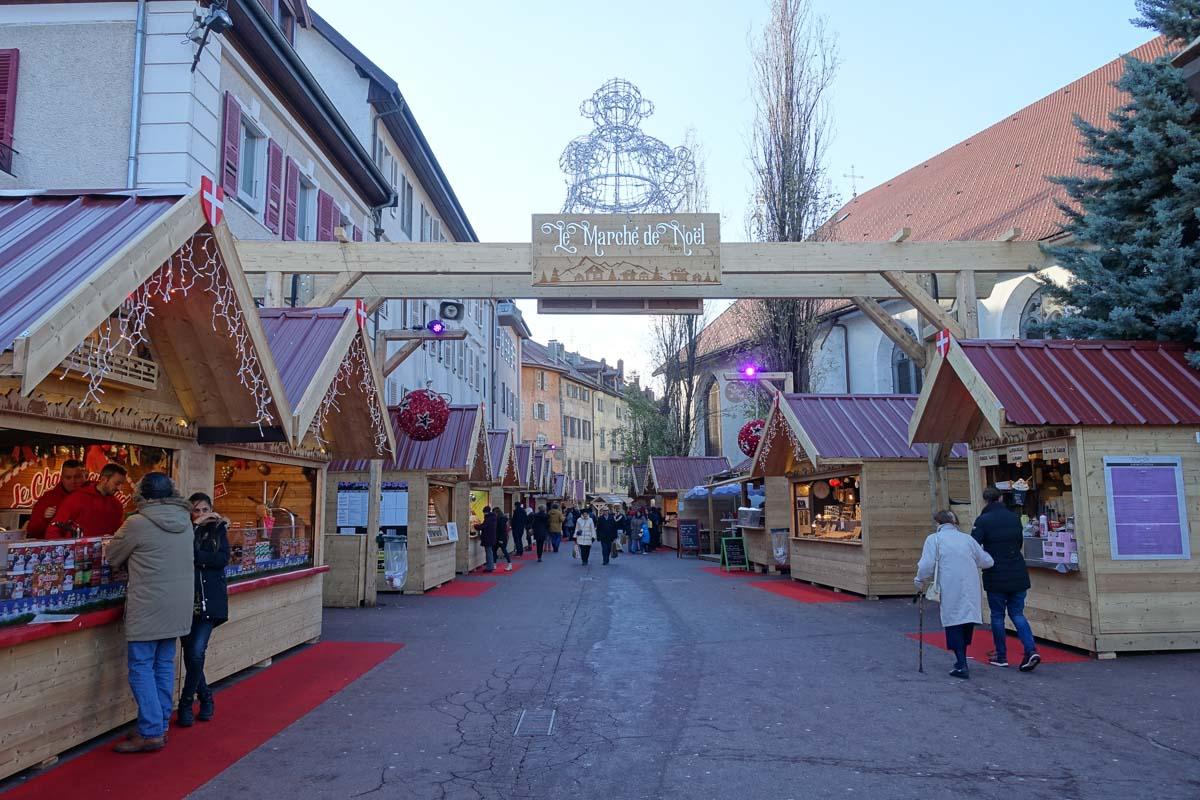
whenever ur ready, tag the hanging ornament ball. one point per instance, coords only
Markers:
(750, 434)
(424, 414)
(264, 469)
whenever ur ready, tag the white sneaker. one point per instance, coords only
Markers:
(508, 567)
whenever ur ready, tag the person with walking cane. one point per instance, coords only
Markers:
(950, 564)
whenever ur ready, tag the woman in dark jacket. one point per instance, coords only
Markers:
(540, 524)
(211, 553)
(998, 530)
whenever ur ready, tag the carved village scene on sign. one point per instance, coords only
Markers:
(572, 250)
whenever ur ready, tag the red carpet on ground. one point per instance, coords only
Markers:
(249, 713)
(982, 644)
(461, 589)
(803, 592)
(500, 570)
(728, 573)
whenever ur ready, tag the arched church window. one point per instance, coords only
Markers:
(1038, 310)
(906, 375)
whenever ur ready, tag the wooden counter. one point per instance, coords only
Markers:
(61, 685)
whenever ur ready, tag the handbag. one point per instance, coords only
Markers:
(575, 551)
(933, 592)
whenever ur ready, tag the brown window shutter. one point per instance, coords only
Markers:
(271, 214)
(324, 216)
(231, 145)
(291, 202)
(8, 104)
(358, 234)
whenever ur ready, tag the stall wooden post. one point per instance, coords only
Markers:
(371, 549)
(418, 525)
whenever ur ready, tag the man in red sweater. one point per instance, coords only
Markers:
(72, 478)
(95, 509)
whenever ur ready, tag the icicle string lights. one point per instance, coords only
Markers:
(354, 364)
(196, 266)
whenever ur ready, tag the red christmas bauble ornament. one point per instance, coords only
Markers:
(423, 414)
(750, 434)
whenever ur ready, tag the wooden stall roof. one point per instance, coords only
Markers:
(677, 474)
(460, 451)
(70, 260)
(314, 348)
(503, 455)
(523, 457)
(839, 429)
(1030, 383)
(637, 477)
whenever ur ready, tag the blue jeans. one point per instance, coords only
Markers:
(555, 541)
(195, 644)
(152, 679)
(635, 542)
(958, 639)
(1014, 604)
(490, 552)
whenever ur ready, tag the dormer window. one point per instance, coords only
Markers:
(285, 17)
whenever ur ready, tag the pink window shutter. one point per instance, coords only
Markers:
(8, 95)
(272, 214)
(358, 234)
(291, 201)
(231, 145)
(324, 216)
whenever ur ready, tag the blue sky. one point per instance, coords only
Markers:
(497, 86)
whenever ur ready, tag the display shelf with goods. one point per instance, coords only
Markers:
(1106, 482)
(859, 507)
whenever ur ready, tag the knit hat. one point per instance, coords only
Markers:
(156, 486)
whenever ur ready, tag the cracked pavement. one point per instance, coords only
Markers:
(668, 682)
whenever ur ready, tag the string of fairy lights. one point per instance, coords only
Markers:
(355, 364)
(196, 266)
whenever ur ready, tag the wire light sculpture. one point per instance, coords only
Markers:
(619, 169)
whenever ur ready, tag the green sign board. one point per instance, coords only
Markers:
(733, 553)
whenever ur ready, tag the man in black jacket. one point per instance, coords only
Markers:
(606, 532)
(998, 530)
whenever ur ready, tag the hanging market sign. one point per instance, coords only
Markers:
(991, 459)
(1054, 450)
(1017, 453)
(581, 250)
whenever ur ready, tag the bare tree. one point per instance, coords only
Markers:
(794, 65)
(676, 343)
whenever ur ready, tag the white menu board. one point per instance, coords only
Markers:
(1147, 511)
(394, 511)
(352, 505)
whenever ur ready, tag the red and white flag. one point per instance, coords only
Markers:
(212, 201)
(360, 313)
(943, 341)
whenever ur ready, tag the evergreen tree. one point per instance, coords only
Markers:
(1176, 19)
(1135, 258)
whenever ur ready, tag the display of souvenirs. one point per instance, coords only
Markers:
(254, 550)
(55, 576)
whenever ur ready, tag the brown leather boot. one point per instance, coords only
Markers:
(137, 743)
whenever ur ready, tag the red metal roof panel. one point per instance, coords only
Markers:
(680, 473)
(523, 453)
(1088, 382)
(51, 242)
(450, 452)
(300, 339)
(860, 426)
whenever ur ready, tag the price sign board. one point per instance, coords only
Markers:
(689, 537)
(733, 553)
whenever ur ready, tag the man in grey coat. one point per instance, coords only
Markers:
(155, 543)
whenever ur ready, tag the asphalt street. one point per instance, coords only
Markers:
(651, 678)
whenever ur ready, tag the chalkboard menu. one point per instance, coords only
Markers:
(733, 553)
(689, 536)
(1147, 515)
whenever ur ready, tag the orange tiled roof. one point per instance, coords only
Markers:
(995, 180)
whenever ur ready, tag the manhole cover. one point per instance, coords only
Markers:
(535, 723)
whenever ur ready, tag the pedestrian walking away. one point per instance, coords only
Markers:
(998, 531)
(621, 522)
(570, 520)
(556, 519)
(155, 544)
(606, 532)
(585, 535)
(656, 523)
(635, 531)
(210, 555)
(951, 561)
(520, 519)
(541, 529)
(488, 537)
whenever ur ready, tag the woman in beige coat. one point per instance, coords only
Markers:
(155, 544)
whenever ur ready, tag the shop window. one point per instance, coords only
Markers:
(906, 375)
